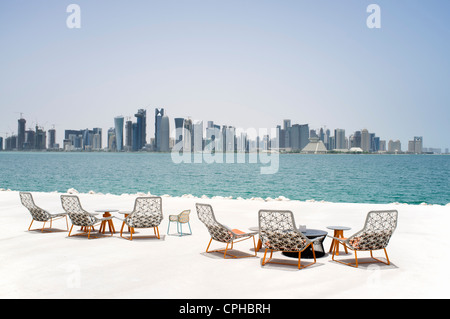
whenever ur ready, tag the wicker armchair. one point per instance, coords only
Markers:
(277, 232)
(222, 233)
(79, 217)
(180, 219)
(39, 214)
(147, 213)
(378, 229)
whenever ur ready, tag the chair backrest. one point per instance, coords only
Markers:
(79, 217)
(378, 229)
(183, 217)
(36, 212)
(277, 231)
(147, 212)
(217, 231)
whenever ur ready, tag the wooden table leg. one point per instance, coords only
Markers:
(335, 243)
(258, 247)
(110, 224)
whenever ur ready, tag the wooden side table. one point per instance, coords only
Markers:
(107, 213)
(338, 233)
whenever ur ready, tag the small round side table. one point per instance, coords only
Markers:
(338, 233)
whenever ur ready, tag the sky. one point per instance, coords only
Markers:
(243, 63)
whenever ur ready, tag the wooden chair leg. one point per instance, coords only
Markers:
(70, 230)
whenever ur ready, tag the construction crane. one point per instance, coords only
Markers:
(21, 114)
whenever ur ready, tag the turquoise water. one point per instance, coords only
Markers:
(411, 179)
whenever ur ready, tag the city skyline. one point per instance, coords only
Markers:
(254, 63)
(194, 136)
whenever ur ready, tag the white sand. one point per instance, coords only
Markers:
(52, 265)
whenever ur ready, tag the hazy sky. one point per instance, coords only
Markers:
(244, 63)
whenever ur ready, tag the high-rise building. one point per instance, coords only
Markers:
(141, 117)
(416, 146)
(118, 126)
(197, 139)
(112, 141)
(213, 137)
(187, 135)
(40, 139)
(284, 135)
(97, 141)
(51, 138)
(327, 141)
(242, 142)
(230, 139)
(339, 139)
(382, 147)
(372, 142)
(394, 146)
(376, 144)
(365, 140)
(128, 135)
(135, 133)
(299, 136)
(159, 113)
(97, 138)
(321, 135)
(30, 140)
(20, 133)
(179, 132)
(1, 143)
(165, 134)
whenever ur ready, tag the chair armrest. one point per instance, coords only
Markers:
(338, 239)
(58, 215)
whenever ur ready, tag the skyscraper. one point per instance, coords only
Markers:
(118, 125)
(51, 138)
(135, 133)
(20, 133)
(213, 137)
(394, 146)
(141, 117)
(40, 139)
(299, 136)
(162, 131)
(339, 139)
(187, 135)
(97, 138)
(415, 146)
(112, 144)
(165, 134)
(365, 140)
(179, 132)
(198, 136)
(128, 135)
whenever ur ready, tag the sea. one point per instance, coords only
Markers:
(340, 178)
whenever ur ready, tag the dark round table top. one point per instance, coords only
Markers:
(314, 233)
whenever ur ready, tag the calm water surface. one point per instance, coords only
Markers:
(411, 179)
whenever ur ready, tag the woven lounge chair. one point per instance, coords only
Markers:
(79, 217)
(147, 213)
(277, 232)
(180, 219)
(222, 233)
(375, 235)
(39, 214)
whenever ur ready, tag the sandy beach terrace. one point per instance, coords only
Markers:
(52, 265)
